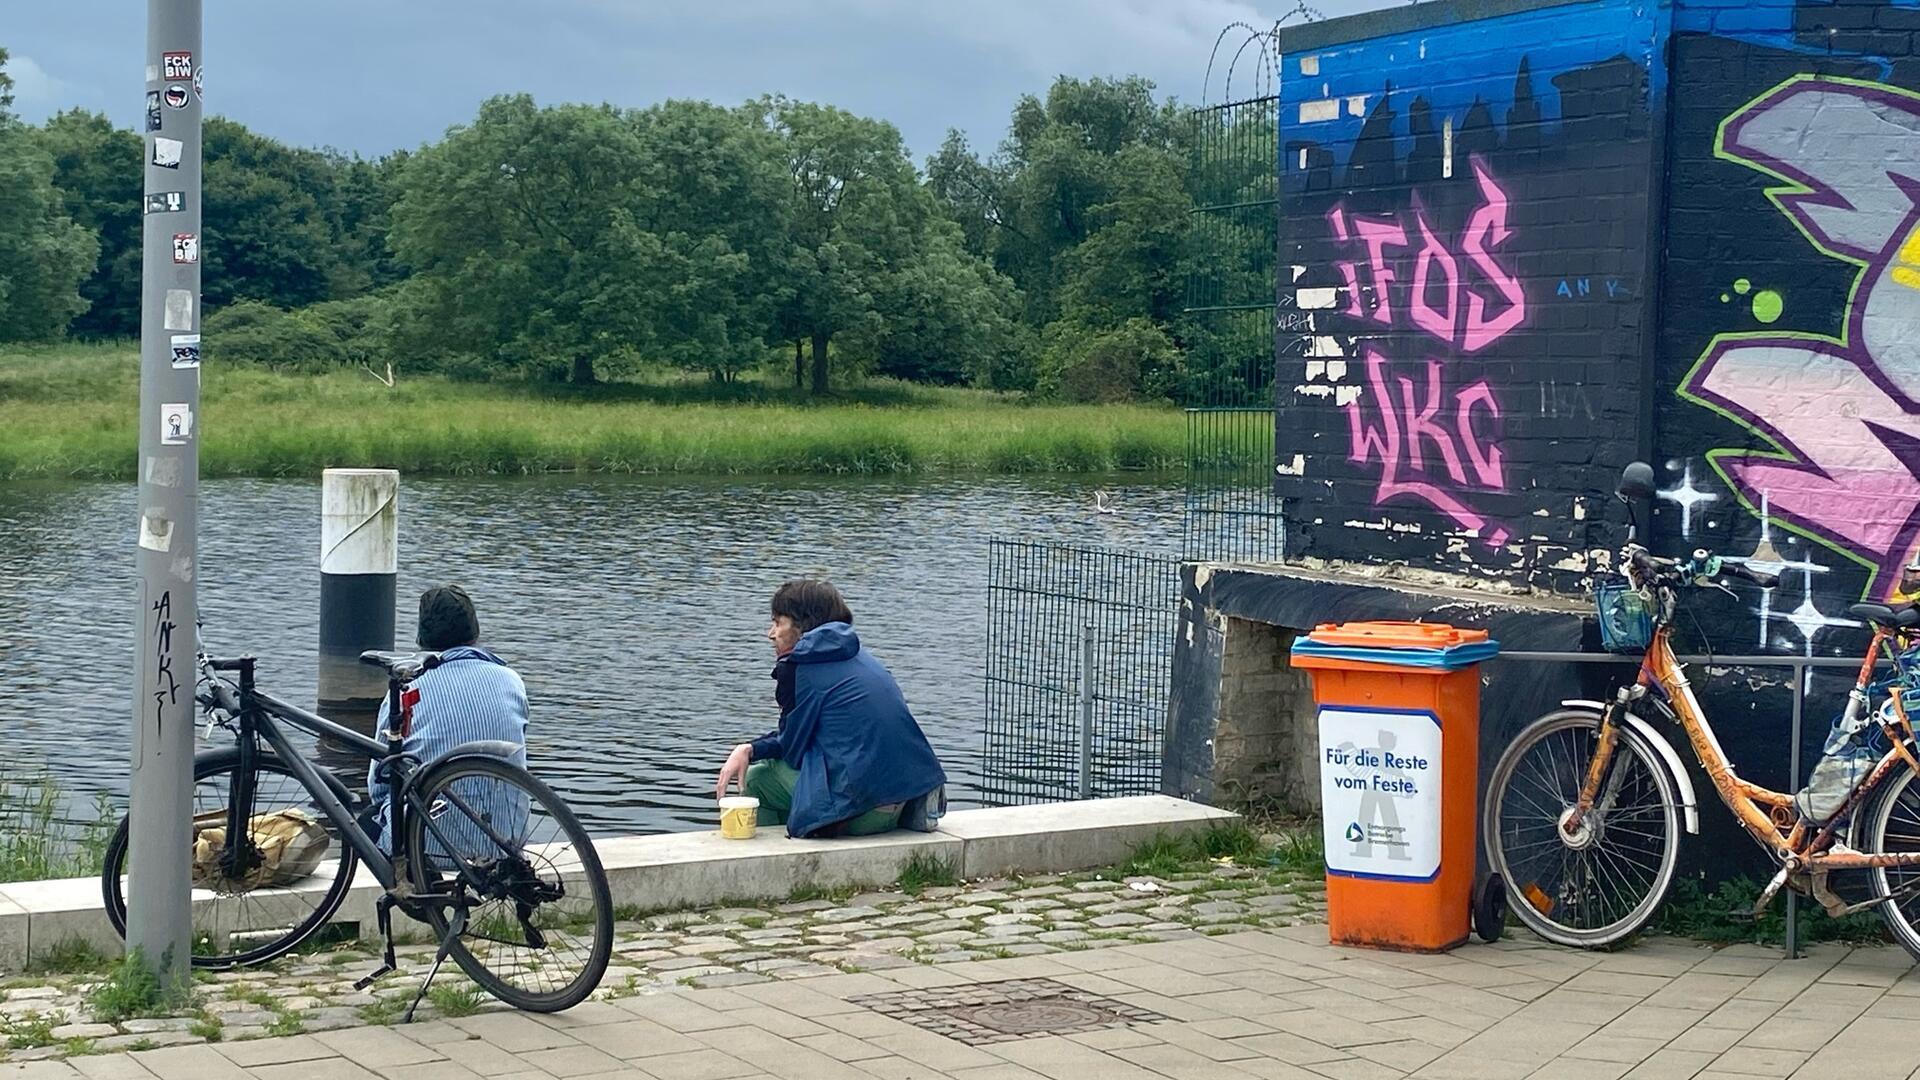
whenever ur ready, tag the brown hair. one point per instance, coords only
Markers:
(810, 603)
(447, 618)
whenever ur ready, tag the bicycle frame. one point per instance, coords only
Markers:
(1767, 815)
(256, 717)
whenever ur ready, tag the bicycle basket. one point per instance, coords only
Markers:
(1626, 626)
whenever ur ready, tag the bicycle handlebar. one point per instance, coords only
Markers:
(1702, 568)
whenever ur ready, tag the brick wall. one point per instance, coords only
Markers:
(1265, 747)
(1466, 217)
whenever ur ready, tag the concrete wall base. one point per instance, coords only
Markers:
(684, 870)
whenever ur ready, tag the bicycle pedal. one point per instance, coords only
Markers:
(378, 973)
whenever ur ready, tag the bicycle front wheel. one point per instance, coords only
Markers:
(539, 916)
(300, 877)
(1599, 884)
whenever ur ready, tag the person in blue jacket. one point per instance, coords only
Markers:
(847, 754)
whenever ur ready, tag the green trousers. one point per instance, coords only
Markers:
(772, 783)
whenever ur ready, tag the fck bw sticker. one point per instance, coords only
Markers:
(176, 66)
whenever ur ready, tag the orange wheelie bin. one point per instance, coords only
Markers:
(1399, 719)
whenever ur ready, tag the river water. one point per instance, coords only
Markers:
(633, 607)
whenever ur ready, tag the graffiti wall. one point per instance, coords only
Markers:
(1465, 216)
(1525, 248)
(1787, 427)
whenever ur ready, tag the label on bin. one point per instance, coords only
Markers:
(1380, 792)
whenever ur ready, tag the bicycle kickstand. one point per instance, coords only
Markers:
(383, 914)
(456, 925)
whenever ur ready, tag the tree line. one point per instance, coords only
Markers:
(586, 242)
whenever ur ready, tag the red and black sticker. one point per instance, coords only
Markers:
(176, 66)
(176, 96)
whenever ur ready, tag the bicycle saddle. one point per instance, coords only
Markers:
(405, 666)
(1905, 617)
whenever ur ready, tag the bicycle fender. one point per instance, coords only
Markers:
(499, 748)
(1689, 802)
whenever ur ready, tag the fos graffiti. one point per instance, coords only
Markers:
(1841, 414)
(1429, 442)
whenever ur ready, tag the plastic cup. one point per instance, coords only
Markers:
(739, 816)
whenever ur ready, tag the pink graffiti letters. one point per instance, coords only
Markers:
(1844, 414)
(1436, 269)
(1397, 440)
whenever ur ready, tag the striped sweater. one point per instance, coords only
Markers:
(472, 695)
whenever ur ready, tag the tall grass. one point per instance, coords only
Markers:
(72, 411)
(37, 840)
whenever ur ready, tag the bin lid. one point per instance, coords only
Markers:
(1396, 644)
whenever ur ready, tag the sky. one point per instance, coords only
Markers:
(372, 76)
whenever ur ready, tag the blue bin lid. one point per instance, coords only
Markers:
(1398, 644)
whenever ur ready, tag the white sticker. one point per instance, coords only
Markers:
(156, 533)
(153, 72)
(166, 152)
(1380, 792)
(163, 471)
(179, 309)
(186, 351)
(186, 247)
(176, 424)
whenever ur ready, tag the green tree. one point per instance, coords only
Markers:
(265, 234)
(712, 194)
(949, 317)
(97, 169)
(515, 226)
(44, 254)
(858, 213)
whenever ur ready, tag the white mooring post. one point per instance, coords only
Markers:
(359, 557)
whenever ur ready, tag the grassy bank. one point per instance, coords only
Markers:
(71, 412)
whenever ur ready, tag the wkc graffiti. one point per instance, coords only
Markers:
(1428, 442)
(1841, 414)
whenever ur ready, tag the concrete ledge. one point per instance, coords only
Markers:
(679, 870)
(1071, 835)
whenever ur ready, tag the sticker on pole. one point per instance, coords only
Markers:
(1380, 792)
(176, 424)
(167, 152)
(176, 65)
(186, 351)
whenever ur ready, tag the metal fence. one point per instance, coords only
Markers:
(1227, 329)
(1080, 639)
(1077, 671)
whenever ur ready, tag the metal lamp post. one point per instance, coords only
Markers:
(159, 915)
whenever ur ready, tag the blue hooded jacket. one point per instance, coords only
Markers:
(849, 734)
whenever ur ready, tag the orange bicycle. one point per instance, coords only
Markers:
(1584, 811)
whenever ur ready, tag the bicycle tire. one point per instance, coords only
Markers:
(1900, 920)
(207, 765)
(1659, 803)
(430, 788)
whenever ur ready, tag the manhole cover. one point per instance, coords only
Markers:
(999, 1011)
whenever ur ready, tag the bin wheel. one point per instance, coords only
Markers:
(1490, 909)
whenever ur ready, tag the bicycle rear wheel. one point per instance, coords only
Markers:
(250, 919)
(539, 927)
(1892, 827)
(1599, 885)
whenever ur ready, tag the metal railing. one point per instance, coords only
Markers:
(1802, 666)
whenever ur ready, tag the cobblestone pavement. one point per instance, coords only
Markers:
(54, 1016)
(1267, 1002)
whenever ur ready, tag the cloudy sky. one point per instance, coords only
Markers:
(375, 75)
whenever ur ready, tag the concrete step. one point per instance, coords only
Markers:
(703, 869)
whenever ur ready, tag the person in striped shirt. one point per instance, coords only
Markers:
(471, 695)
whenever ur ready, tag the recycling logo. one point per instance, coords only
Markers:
(1355, 833)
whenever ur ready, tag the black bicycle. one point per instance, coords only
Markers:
(484, 853)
